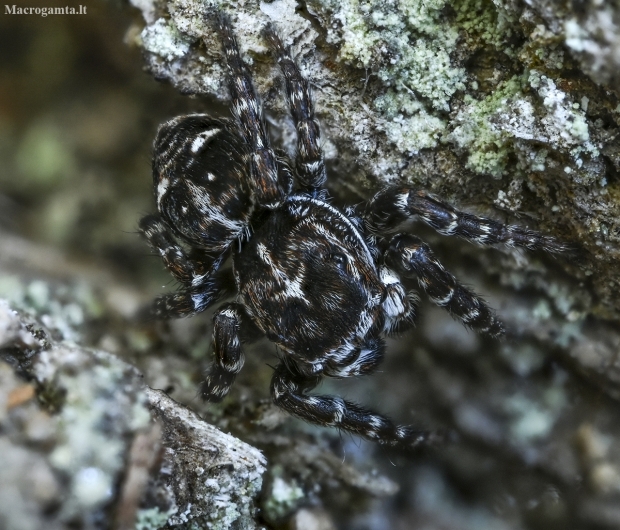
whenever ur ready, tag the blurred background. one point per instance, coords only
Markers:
(77, 119)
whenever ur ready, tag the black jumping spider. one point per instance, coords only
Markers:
(321, 283)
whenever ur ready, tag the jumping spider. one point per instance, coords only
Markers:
(323, 284)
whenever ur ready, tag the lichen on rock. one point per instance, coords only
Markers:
(68, 432)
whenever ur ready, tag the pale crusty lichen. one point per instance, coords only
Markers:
(165, 40)
(407, 46)
(488, 146)
(510, 120)
(406, 122)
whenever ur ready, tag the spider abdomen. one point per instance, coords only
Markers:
(200, 180)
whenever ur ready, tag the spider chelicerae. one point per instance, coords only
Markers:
(325, 285)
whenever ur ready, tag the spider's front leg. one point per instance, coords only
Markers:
(228, 356)
(391, 206)
(269, 191)
(200, 288)
(188, 271)
(310, 164)
(413, 258)
(289, 392)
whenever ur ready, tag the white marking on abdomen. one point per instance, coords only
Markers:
(162, 188)
(202, 138)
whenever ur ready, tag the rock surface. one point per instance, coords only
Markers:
(80, 446)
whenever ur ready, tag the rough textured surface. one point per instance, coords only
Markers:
(221, 475)
(63, 452)
(79, 447)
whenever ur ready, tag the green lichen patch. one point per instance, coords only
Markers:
(488, 146)
(407, 45)
(528, 116)
(484, 22)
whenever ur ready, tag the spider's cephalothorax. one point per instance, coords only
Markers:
(323, 284)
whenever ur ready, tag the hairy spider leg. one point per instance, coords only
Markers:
(228, 357)
(289, 389)
(187, 302)
(413, 258)
(309, 161)
(200, 285)
(391, 206)
(269, 192)
(399, 307)
(190, 272)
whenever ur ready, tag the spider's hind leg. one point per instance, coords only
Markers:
(310, 165)
(412, 257)
(289, 392)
